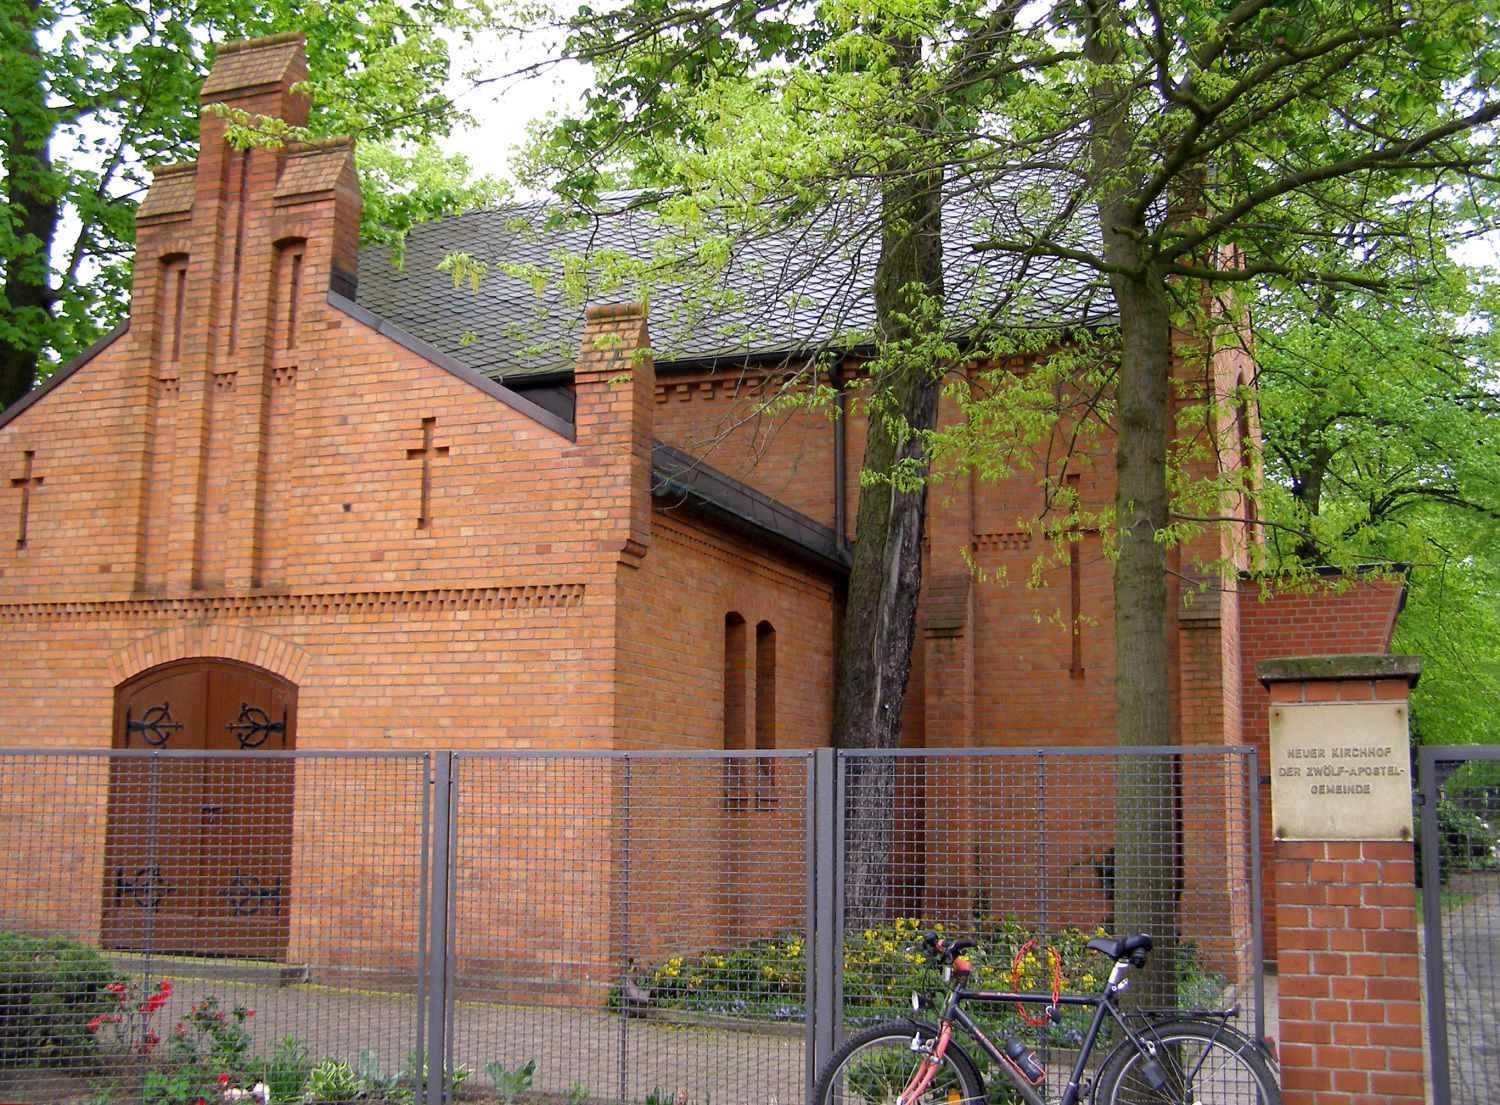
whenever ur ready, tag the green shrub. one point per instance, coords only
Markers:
(285, 1073)
(1468, 840)
(334, 1083)
(50, 989)
(510, 1084)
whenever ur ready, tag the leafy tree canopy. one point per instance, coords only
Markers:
(1382, 446)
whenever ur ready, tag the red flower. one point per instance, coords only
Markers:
(117, 988)
(158, 999)
(149, 1044)
(224, 1078)
(93, 1025)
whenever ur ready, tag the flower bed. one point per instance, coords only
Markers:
(765, 980)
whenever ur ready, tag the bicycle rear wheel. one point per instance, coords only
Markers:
(1195, 1062)
(874, 1067)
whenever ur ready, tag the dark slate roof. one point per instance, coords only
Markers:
(681, 480)
(804, 289)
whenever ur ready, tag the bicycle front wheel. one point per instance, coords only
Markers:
(876, 1067)
(1196, 1063)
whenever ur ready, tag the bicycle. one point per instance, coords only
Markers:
(1162, 1057)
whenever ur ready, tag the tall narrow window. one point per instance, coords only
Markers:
(171, 292)
(765, 710)
(288, 295)
(735, 702)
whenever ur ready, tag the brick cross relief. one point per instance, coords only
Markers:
(425, 454)
(25, 482)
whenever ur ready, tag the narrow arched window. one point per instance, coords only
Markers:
(736, 702)
(765, 708)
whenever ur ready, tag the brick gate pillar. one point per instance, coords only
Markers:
(1346, 903)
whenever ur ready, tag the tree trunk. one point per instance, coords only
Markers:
(886, 578)
(31, 207)
(1145, 803)
(1147, 818)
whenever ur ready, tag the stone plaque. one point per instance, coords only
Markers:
(1340, 771)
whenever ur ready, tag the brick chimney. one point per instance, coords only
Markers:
(235, 255)
(615, 382)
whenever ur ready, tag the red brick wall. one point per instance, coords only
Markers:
(729, 420)
(241, 475)
(1347, 956)
(1327, 617)
(1350, 998)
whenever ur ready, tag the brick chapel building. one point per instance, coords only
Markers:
(303, 500)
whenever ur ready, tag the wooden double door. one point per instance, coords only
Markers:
(198, 852)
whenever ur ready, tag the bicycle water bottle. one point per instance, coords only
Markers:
(1024, 1060)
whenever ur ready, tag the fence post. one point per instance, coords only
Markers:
(1350, 998)
(436, 1051)
(824, 872)
(1432, 919)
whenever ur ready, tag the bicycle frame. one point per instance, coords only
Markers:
(1103, 1004)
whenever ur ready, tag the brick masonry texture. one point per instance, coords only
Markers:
(252, 472)
(1348, 962)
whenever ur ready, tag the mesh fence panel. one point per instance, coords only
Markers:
(622, 928)
(632, 928)
(179, 915)
(1033, 853)
(1468, 934)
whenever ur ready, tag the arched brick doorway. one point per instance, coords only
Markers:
(198, 854)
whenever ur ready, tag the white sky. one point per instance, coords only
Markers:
(506, 104)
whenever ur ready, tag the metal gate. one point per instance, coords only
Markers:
(1459, 800)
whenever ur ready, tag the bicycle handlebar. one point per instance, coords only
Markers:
(945, 950)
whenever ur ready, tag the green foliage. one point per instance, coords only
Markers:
(334, 1083)
(51, 989)
(415, 1074)
(367, 1067)
(182, 1086)
(1381, 414)
(766, 979)
(511, 1084)
(1468, 841)
(286, 1072)
(204, 1052)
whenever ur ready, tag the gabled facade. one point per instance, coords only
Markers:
(263, 516)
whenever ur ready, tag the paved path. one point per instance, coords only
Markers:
(1471, 977)
(612, 1057)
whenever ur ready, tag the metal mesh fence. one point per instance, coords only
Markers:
(1461, 877)
(1032, 854)
(170, 918)
(649, 928)
(632, 928)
